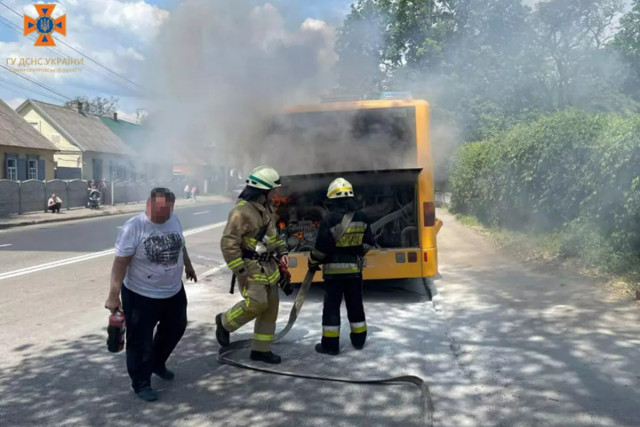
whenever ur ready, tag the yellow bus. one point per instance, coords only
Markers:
(382, 147)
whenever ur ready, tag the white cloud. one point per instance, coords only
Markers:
(138, 18)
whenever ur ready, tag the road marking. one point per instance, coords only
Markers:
(119, 227)
(213, 271)
(201, 213)
(4, 246)
(86, 257)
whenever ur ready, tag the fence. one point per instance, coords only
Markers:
(32, 196)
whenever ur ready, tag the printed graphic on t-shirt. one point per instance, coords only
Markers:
(163, 249)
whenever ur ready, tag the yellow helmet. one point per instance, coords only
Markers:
(340, 188)
(264, 177)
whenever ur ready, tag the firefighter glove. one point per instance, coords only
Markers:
(314, 266)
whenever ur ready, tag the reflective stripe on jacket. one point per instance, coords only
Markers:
(239, 236)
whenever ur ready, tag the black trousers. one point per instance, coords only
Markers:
(147, 353)
(55, 208)
(334, 290)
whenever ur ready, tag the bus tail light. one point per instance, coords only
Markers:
(429, 209)
(426, 257)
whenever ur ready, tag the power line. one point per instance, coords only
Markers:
(25, 93)
(35, 82)
(7, 23)
(26, 88)
(81, 53)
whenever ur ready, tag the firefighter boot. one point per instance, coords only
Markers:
(265, 356)
(222, 335)
(358, 339)
(324, 350)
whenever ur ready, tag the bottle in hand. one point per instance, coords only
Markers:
(116, 329)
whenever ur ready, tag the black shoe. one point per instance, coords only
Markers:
(266, 357)
(322, 349)
(221, 333)
(358, 347)
(165, 374)
(147, 394)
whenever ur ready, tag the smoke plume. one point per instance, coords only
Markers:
(222, 68)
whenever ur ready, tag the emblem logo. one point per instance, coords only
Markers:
(45, 25)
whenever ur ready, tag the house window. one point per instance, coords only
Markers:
(12, 169)
(33, 169)
(36, 125)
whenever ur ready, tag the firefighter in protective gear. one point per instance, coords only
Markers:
(344, 237)
(252, 249)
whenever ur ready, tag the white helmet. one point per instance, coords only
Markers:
(264, 177)
(340, 188)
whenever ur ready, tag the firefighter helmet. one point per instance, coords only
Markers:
(264, 178)
(340, 188)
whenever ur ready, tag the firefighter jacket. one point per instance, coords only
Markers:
(342, 259)
(251, 230)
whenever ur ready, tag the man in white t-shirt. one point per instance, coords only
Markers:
(54, 203)
(150, 257)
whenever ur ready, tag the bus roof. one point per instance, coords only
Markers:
(357, 105)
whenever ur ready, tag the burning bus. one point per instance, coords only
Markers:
(382, 147)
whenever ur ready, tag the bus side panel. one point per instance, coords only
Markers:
(426, 191)
(379, 264)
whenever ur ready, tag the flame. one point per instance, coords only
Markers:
(281, 201)
(282, 225)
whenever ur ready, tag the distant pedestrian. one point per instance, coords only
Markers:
(103, 188)
(150, 257)
(187, 191)
(54, 204)
(194, 190)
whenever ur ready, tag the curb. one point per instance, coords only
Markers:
(53, 220)
(95, 215)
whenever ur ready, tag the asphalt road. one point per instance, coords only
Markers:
(35, 245)
(511, 346)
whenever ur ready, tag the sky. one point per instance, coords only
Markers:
(119, 35)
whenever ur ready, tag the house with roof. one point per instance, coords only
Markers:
(151, 163)
(87, 148)
(24, 152)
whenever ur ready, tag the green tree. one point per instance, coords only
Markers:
(627, 43)
(572, 35)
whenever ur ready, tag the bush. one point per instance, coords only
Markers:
(570, 171)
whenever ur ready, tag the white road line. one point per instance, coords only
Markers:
(4, 246)
(86, 257)
(213, 271)
(201, 213)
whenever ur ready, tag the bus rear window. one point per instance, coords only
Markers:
(328, 141)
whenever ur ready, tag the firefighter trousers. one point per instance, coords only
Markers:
(261, 303)
(334, 290)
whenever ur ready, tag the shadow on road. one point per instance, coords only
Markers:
(77, 382)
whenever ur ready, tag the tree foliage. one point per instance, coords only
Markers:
(570, 171)
(493, 63)
(98, 106)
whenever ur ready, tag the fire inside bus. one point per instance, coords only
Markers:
(382, 147)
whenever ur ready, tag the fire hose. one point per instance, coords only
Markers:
(426, 410)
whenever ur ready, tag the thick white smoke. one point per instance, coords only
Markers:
(221, 68)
